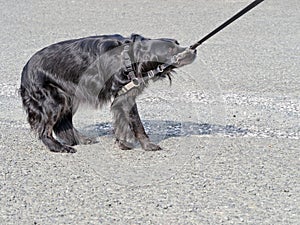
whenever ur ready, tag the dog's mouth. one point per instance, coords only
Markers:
(184, 58)
(181, 59)
(165, 68)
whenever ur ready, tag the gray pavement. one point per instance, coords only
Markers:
(229, 124)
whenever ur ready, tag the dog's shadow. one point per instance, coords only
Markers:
(159, 130)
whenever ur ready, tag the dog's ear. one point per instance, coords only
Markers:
(170, 40)
(140, 46)
(137, 41)
(140, 51)
(108, 45)
(136, 37)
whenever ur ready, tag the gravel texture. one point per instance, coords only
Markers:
(229, 125)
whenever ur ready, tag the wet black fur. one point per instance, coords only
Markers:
(60, 77)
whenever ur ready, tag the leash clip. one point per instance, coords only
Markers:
(160, 69)
(136, 82)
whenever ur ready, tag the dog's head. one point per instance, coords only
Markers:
(149, 53)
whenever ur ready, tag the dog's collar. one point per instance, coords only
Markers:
(128, 63)
(135, 82)
(129, 71)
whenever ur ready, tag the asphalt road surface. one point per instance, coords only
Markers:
(229, 124)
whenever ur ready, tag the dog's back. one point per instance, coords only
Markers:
(54, 75)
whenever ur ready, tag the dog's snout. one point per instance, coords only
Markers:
(192, 51)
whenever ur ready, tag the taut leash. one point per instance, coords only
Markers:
(226, 23)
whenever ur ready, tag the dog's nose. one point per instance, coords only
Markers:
(193, 51)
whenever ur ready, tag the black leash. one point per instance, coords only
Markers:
(135, 82)
(226, 23)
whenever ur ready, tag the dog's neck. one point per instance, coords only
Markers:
(135, 80)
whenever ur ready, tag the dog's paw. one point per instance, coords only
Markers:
(64, 149)
(124, 145)
(151, 147)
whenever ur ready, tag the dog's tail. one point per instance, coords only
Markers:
(30, 101)
(43, 100)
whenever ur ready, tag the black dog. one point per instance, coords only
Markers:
(95, 70)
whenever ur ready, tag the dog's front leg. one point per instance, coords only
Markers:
(128, 125)
(120, 108)
(139, 130)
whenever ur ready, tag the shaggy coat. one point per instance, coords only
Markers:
(91, 70)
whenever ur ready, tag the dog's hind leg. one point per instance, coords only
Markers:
(45, 131)
(43, 125)
(44, 103)
(66, 132)
(45, 134)
(53, 144)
